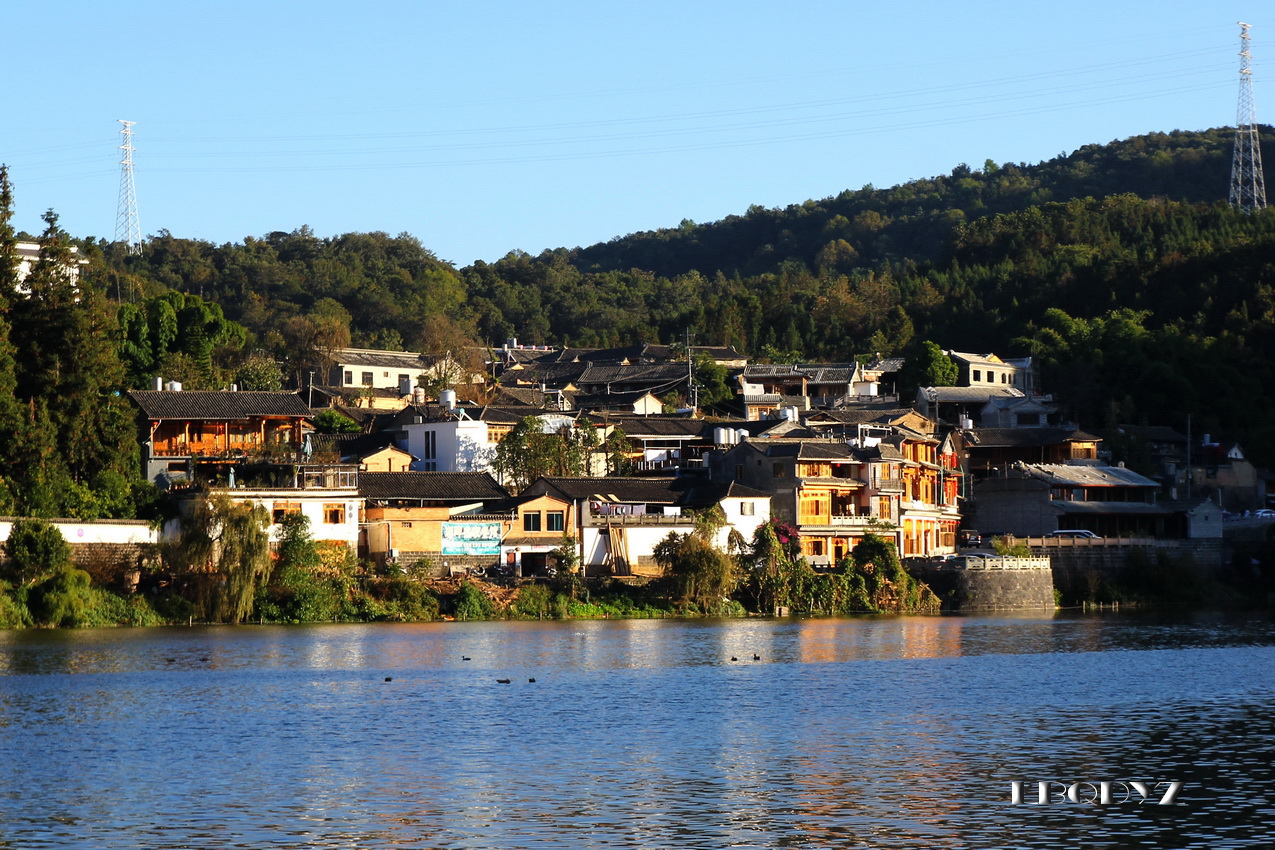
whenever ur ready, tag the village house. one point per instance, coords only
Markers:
(991, 451)
(864, 477)
(541, 524)
(620, 521)
(1031, 500)
(1220, 469)
(439, 522)
(177, 426)
(356, 368)
(444, 437)
(254, 447)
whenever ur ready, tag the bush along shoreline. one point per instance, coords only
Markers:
(224, 570)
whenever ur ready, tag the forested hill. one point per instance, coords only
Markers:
(1119, 266)
(913, 220)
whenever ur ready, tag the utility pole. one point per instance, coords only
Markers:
(692, 392)
(1248, 186)
(127, 228)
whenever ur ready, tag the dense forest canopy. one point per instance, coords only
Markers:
(1119, 266)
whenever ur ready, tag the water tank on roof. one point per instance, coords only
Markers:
(405, 385)
(157, 383)
(447, 398)
(174, 386)
(721, 436)
(418, 395)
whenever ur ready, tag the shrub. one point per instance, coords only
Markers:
(13, 608)
(64, 599)
(36, 550)
(534, 602)
(404, 600)
(473, 604)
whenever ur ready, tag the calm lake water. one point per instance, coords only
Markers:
(892, 732)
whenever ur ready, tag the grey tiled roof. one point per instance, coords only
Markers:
(1060, 474)
(643, 373)
(660, 426)
(400, 360)
(196, 404)
(652, 490)
(1004, 437)
(440, 486)
(352, 445)
(968, 395)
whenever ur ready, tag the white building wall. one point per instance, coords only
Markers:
(313, 505)
(96, 531)
(736, 519)
(458, 446)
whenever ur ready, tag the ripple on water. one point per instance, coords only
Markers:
(892, 732)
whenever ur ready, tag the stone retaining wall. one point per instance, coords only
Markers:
(1076, 568)
(992, 584)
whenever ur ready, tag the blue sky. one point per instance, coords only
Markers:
(483, 127)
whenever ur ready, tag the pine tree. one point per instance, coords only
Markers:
(10, 411)
(70, 367)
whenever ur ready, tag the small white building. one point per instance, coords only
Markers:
(444, 439)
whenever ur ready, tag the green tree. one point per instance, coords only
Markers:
(224, 554)
(34, 551)
(300, 590)
(702, 575)
(528, 452)
(928, 366)
(259, 374)
(712, 380)
(334, 422)
(778, 575)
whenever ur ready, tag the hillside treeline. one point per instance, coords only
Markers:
(1119, 266)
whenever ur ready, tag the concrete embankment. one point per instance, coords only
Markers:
(989, 583)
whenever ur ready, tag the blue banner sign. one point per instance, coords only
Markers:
(471, 538)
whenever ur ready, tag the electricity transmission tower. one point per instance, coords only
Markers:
(127, 228)
(1248, 186)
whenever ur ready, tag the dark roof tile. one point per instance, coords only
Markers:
(196, 404)
(440, 486)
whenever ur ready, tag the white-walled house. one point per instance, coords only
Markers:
(622, 520)
(444, 439)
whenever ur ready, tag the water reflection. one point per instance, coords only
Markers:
(874, 732)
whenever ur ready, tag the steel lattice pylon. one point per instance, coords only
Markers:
(1248, 186)
(127, 227)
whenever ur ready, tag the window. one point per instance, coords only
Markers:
(367, 379)
(282, 509)
(556, 521)
(531, 521)
(402, 378)
(334, 513)
(976, 375)
(813, 546)
(429, 448)
(746, 509)
(739, 471)
(777, 470)
(349, 379)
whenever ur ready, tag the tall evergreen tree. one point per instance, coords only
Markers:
(70, 375)
(10, 413)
